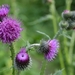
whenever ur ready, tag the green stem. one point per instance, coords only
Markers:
(68, 4)
(44, 64)
(53, 12)
(68, 7)
(12, 56)
(62, 62)
(32, 45)
(71, 53)
(65, 49)
(58, 33)
(44, 34)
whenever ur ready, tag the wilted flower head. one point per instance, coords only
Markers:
(4, 9)
(49, 49)
(9, 30)
(22, 60)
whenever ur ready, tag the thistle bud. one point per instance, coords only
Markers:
(22, 60)
(64, 24)
(66, 14)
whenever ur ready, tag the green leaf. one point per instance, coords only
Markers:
(44, 34)
(59, 72)
(42, 19)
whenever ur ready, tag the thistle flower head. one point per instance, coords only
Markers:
(53, 49)
(4, 9)
(66, 11)
(49, 49)
(22, 60)
(9, 30)
(44, 47)
(66, 14)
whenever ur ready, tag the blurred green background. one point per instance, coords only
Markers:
(36, 15)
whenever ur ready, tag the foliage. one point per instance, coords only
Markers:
(37, 15)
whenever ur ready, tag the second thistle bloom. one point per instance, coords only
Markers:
(9, 30)
(49, 49)
(22, 60)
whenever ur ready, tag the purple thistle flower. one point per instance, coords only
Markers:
(9, 30)
(22, 60)
(4, 9)
(49, 49)
(53, 46)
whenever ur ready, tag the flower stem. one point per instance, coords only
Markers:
(53, 12)
(42, 72)
(32, 45)
(71, 69)
(58, 33)
(68, 4)
(65, 49)
(12, 57)
(71, 53)
(44, 34)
